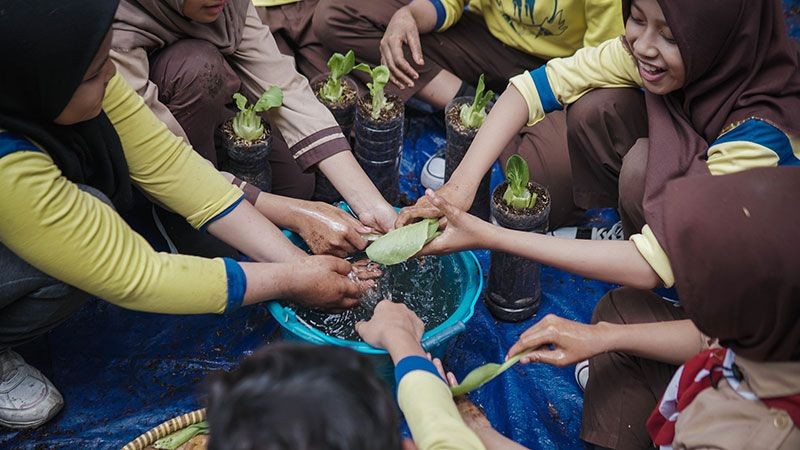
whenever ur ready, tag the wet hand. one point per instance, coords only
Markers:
(329, 230)
(424, 209)
(324, 282)
(401, 30)
(462, 231)
(559, 342)
(392, 325)
(380, 217)
(364, 269)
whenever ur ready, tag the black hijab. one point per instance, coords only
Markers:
(47, 47)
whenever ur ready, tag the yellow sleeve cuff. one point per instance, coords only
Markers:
(526, 87)
(651, 251)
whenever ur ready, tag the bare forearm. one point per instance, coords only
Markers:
(670, 342)
(613, 261)
(265, 281)
(504, 121)
(424, 14)
(343, 171)
(248, 231)
(402, 345)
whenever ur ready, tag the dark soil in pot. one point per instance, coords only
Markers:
(459, 138)
(344, 111)
(514, 291)
(247, 159)
(378, 144)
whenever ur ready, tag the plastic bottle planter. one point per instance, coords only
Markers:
(378, 143)
(459, 139)
(514, 292)
(345, 113)
(248, 159)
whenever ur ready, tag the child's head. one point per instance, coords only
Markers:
(302, 397)
(655, 48)
(202, 11)
(86, 102)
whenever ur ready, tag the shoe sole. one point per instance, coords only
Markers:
(34, 424)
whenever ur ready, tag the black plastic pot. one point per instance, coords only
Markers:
(344, 113)
(247, 160)
(378, 144)
(514, 292)
(459, 138)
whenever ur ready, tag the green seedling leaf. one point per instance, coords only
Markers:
(241, 101)
(380, 76)
(473, 115)
(482, 375)
(247, 123)
(339, 65)
(402, 243)
(181, 437)
(272, 98)
(517, 195)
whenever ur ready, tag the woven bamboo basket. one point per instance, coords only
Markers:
(146, 440)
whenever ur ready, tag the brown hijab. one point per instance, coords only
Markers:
(734, 244)
(740, 64)
(153, 24)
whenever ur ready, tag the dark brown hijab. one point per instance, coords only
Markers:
(153, 24)
(734, 244)
(740, 64)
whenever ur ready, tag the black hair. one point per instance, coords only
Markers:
(302, 397)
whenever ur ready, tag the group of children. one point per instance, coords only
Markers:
(684, 114)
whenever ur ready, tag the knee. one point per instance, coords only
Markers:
(632, 176)
(194, 67)
(614, 306)
(327, 22)
(600, 107)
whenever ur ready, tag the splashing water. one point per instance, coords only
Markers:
(430, 286)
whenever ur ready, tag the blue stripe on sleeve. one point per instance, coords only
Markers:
(224, 213)
(12, 142)
(762, 133)
(412, 363)
(237, 284)
(441, 13)
(549, 101)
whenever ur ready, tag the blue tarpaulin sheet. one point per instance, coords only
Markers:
(123, 372)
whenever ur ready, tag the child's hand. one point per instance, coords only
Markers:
(424, 209)
(393, 327)
(559, 342)
(462, 231)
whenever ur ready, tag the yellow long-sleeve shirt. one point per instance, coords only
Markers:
(76, 238)
(543, 28)
(428, 406)
(741, 146)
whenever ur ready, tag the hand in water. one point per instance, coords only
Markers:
(559, 342)
(364, 269)
(424, 209)
(392, 326)
(462, 231)
(329, 230)
(380, 217)
(323, 282)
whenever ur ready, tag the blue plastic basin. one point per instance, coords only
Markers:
(433, 340)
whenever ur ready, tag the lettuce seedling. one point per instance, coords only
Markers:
(247, 123)
(380, 76)
(340, 65)
(472, 116)
(517, 195)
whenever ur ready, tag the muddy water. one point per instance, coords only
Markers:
(430, 286)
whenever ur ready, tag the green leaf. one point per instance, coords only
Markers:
(271, 98)
(363, 67)
(482, 375)
(181, 437)
(402, 243)
(517, 195)
(248, 125)
(473, 115)
(241, 101)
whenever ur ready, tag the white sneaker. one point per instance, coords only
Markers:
(27, 398)
(432, 176)
(614, 233)
(582, 373)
